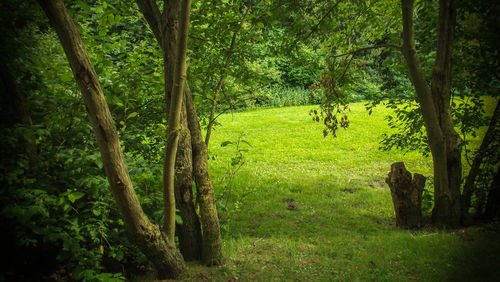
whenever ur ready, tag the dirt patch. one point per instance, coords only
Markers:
(348, 190)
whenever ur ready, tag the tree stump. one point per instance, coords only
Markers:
(406, 195)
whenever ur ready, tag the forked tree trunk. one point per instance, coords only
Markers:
(189, 231)
(435, 107)
(212, 245)
(447, 209)
(149, 238)
(406, 196)
(164, 26)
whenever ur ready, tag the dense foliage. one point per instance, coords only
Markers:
(56, 207)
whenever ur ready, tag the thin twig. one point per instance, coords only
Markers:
(355, 52)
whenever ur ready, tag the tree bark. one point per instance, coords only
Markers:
(189, 231)
(406, 196)
(212, 245)
(434, 105)
(147, 236)
(488, 139)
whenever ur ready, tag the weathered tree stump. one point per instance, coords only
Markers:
(406, 195)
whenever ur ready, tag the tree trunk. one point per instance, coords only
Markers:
(23, 116)
(488, 139)
(212, 245)
(406, 196)
(435, 108)
(189, 231)
(165, 27)
(174, 116)
(148, 237)
(447, 210)
(493, 203)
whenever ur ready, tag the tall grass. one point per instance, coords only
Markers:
(282, 96)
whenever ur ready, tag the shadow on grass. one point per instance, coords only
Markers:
(479, 259)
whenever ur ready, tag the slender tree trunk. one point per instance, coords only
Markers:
(493, 202)
(148, 237)
(212, 245)
(174, 116)
(434, 105)
(23, 115)
(488, 139)
(189, 231)
(229, 53)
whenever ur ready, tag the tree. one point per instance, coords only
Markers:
(164, 26)
(434, 101)
(147, 236)
(436, 110)
(488, 149)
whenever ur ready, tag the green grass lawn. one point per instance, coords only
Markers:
(341, 225)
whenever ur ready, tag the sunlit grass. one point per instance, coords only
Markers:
(343, 227)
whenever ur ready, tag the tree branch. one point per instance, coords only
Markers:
(315, 27)
(153, 16)
(224, 71)
(355, 52)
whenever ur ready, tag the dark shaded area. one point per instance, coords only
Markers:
(479, 260)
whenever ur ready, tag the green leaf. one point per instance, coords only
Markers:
(111, 19)
(131, 115)
(178, 219)
(72, 197)
(246, 142)
(225, 143)
(83, 6)
(66, 77)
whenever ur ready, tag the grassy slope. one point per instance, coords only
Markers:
(344, 226)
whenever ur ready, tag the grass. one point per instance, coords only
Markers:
(343, 227)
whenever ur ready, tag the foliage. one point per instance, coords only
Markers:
(228, 208)
(333, 106)
(65, 208)
(285, 97)
(61, 218)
